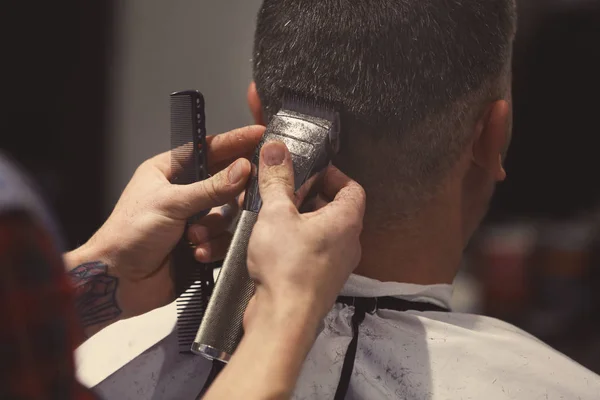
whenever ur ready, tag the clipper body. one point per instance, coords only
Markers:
(312, 141)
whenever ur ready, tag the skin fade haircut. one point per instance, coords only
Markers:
(410, 78)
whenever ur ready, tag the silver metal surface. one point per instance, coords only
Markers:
(222, 326)
(309, 140)
(210, 352)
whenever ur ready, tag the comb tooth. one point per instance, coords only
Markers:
(182, 138)
(188, 135)
(190, 308)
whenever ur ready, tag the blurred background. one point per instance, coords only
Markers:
(91, 82)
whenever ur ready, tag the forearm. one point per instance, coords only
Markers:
(95, 289)
(269, 359)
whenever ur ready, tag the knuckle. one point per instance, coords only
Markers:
(274, 214)
(356, 196)
(226, 139)
(361, 194)
(356, 191)
(272, 178)
(270, 210)
(286, 208)
(355, 224)
(212, 189)
(183, 204)
(143, 166)
(276, 181)
(240, 133)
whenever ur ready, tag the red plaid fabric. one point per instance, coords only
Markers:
(38, 325)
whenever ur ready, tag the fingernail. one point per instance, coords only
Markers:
(236, 172)
(201, 253)
(273, 154)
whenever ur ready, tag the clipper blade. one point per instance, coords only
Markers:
(315, 107)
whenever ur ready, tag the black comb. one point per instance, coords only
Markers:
(193, 280)
(188, 138)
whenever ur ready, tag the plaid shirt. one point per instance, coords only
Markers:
(39, 329)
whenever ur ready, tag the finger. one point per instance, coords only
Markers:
(349, 198)
(249, 313)
(334, 181)
(213, 250)
(309, 189)
(184, 201)
(276, 174)
(161, 161)
(320, 202)
(214, 168)
(174, 162)
(240, 199)
(234, 144)
(213, 225)
(315, 204)
(222, 150)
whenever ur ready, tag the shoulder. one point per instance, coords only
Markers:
(447, 355)
(501, 358)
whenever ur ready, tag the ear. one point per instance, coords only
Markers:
(255, 104)
(492, 136)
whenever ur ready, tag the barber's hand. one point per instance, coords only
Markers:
(150, 217)
(301, 261)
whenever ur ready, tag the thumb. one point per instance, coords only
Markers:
(185, 201)
(276, 174)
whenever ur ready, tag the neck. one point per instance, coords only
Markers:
(425, 250)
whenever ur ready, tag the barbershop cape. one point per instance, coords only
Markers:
(400, 355)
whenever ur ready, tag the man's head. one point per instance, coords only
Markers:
(417, 82)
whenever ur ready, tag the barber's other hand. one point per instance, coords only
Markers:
(150, 217)
(301, 261)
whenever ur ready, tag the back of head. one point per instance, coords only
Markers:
(410, 78)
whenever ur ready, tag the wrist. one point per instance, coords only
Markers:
(95, 295)
(88, 252)
(134, 295)
(305, 304)
(97, 286)
(278, 335)
(294, 319)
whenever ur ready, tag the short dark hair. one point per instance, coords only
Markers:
(406, 75)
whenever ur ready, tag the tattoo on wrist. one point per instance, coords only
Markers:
(95, 293)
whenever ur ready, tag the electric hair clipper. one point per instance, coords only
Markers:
(311, 132)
